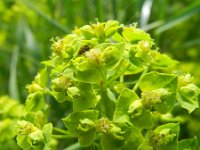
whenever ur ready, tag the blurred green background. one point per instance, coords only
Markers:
(26, 27)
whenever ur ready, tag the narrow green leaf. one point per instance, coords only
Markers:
(152, 25)
(13, 88)
(191, 43)
(99, 10)
(145, 12)
(44, 16)
(179, 19)
(31, 44)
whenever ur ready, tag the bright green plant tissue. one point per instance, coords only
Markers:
(116, 90)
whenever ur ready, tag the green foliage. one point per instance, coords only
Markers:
(31, 137)
(87, 74)
(27, 27)
(160, 90)
(188, 144)
(10, 112)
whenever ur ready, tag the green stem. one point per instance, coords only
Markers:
(60, 130)
(62, 136)
(75, 146)
(99, 10)
(138, 82)
(107, 106)
(123, 66)
(121, 79)
(103, 75)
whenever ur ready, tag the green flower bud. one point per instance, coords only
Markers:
(110, 57)
(58, 46)
(98, 29)
(85, 31)
(93, 56)
(61, 83)
(161, 138)
(153, 97)
(111, 27)
(24, 127)
(190, 90)
(132, 34)
(143, 51)
(103, 125)
(36, 137)
(136, 108)
(116, 132)
(144, 47)
(34, 87)
(73, 92)
(185, 79)
(85, 125)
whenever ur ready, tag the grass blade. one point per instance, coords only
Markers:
(68, 5)
(181, 18)
(99, 6)
(191, 43)
(145, 12)
(152, 25)
(114, 9)
(75, 146)
(13, 89)
(44, 16)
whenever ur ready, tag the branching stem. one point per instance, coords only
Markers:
(138, 82)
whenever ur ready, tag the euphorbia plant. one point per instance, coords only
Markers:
(10, 112)
(116, 89)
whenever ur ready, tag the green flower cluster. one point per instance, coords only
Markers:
(119, 85)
